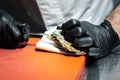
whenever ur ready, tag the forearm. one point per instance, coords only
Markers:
(114, 19)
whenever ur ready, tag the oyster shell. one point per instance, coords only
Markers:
(58, 39)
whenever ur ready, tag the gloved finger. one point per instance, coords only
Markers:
(83, 42)
(73, 33)
(7, 39)
(24, 29)
(13, 30)
(59, 27)
(25, 32)
(95, 52)
(69, 25)
(10, 26)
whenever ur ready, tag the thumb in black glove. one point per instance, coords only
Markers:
(12, 33)
(96, 40)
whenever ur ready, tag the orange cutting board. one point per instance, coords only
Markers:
(28, 64)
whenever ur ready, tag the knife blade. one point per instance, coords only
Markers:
(37, 34)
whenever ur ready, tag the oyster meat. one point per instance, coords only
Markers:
(58, 39)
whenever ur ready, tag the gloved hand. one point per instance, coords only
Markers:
(96, 40)
(12, 33)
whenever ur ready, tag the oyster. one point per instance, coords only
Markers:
(58, 39)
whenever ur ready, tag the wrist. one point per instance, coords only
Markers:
(114, 19)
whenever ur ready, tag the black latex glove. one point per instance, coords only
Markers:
(96, 40)
(12, 33)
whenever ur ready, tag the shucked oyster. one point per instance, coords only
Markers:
(57, 38)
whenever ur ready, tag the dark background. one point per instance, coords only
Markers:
(25, 11)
